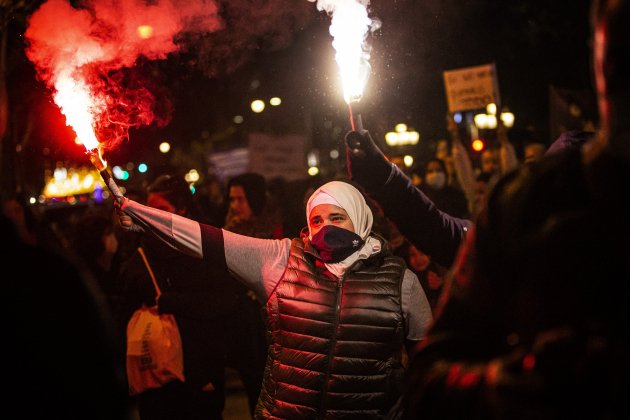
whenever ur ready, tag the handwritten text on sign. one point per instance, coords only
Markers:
(471, 87)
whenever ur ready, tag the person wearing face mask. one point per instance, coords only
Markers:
(341, 310)
(446, 198)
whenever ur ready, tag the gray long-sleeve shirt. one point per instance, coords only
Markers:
(259, 263)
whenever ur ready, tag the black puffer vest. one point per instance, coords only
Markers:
(336, 345)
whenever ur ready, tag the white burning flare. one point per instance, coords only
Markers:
(349, 28)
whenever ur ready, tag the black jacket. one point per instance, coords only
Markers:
(432, 231)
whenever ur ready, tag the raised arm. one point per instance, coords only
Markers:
(418, 219)
(462, 164)
(179, 233)
(507, 154)
(257, 263)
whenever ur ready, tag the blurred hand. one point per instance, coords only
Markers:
(125, 221)
(362, 146)
(453, 130)
(367, 165)
(502, 131)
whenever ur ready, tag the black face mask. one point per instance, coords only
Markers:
(335, 244)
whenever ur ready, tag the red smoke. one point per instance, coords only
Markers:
(102, 45)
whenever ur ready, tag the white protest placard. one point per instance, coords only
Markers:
(471, 87)
(277, 155)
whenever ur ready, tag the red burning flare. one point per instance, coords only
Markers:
(87, 56)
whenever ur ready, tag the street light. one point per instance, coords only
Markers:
(489, 119)
(484, 121)
(402, 137)
(257, 106)
(508, 119)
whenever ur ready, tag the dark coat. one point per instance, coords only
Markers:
(448, 199)
(429, 229)
(535, 324)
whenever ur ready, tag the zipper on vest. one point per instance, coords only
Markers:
(333, 343)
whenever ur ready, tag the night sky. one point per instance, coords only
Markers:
(283, 48)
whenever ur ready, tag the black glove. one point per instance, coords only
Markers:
(367, 165)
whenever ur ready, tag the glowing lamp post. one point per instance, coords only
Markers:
(489, 120)
(507, 118)
(402, 136)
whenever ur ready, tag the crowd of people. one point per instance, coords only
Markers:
(489, 290)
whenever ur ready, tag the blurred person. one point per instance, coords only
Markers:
(419, 219)
(202, 310)
(340, 310)
(444, 153)
(16, 210)
(499, 160)
(535, 321)
(431, 275)
(384, 182)
(507, 159)
(61, 350)
(249, 214)
(533, 152)
(94, 242)
(481, 190)
(494, 163)
(416, 177)
(249, 206)
(447, 198)
(489, 161)
(211, 199)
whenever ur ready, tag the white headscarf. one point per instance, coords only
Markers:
(346, 196)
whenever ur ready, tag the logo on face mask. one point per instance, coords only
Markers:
(335, 244)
